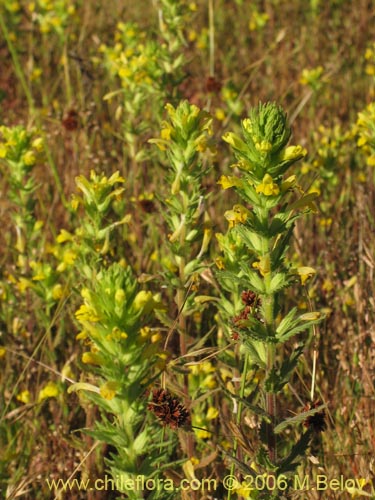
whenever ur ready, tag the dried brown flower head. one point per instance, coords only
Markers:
(316, 422)
(249, 298)
(71, 120)
(168, 409)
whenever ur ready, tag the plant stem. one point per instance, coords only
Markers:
(268, 311)
(238, 416)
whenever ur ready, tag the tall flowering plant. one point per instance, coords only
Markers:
(255, 264)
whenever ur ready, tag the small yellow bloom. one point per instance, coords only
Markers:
(229, 181)
(293, 153)
(219, 263)
(24, 397)
(264, 265)
(57, 292)
(156, 337)
(38, 144)
(238, 215)
(64, 236)
(268, 187)
(305, 273)
(92, 358)
(166, 133)
(220, 114)
(263, 147)
(120, 296)
(29, 158)
(86, 313)
(109, 389)
(212, 413)
(51, 390)
(144, 301)
(235, 141)
(2, 352)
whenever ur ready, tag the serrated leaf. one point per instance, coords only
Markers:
(257, 330)
(253, 280)
(278, 281)
(279, 377)
(281, 247)
(286, 322)
(305, 201)
(250, 238)
(139, 443)
(301, 417)
(297, 329)
(246, 470)
(299, 449)
(263, 459)
(257, 352)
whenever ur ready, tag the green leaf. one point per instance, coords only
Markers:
(253, 280)
(263, 459)
(286, 322)
(304, 201)
(139, 444)
(278, 282)
(246, 470)
(257, 352)
(301, 417)
(252, 240)
(278, 378)
(299, 449)
(281, 247)
(298, 328)
(257, 330)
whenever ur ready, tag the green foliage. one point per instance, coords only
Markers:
(266, 229)
(133, 342)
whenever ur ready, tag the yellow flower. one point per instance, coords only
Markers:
(235, 141)
(64, 236)
(239, 214)
(29, 158)
(229, 181)
(165, 133)
(24, 397)
(38, 144)
(305, 273)
(86, 313)
(212, 413)
(268, 187)
(51, 390)
(264, 265)
(57, 291)
(219, 263)
(109, 389)
(120, 296)
(2, 352)
(294, 153)
(92, 358)
(144, 301)
(220, 114)
(263, 147)
(242, 489)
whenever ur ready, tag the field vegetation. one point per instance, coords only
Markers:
(187, 249)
